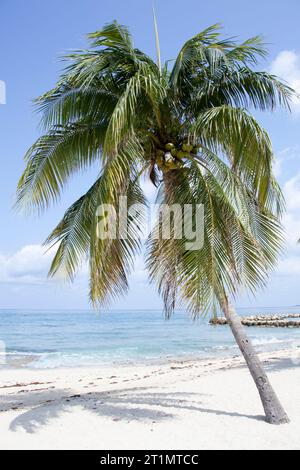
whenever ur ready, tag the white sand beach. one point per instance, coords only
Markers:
(211, 404)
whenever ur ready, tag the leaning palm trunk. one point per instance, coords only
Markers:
(274, 411)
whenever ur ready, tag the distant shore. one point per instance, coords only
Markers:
(182, 404)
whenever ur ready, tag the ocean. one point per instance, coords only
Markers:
(64, 338)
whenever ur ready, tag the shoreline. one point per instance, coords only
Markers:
(138, 406)
(271, 360)
(25, 361)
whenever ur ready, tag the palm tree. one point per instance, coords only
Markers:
(188, 129)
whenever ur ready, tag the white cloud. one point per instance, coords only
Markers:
(290, 264)
(291, 223)
(291, 191)
(24, 282)
(28, 265)
(277, 166)
(287, 66)
(285, 162)
(2, 92)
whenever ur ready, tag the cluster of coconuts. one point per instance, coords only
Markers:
(171, 158)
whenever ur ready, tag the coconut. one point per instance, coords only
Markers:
(181, 154)
(187, 148)
(169, 146)
(174, 152)
(173, 166)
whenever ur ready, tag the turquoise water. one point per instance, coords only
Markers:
(47, 339)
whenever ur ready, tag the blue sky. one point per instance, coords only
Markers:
(34, 34)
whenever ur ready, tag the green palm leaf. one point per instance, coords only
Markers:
(115, 105)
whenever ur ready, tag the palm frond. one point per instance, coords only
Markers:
(193, 54)
(113, 35)
(112, 258)
(240, 243)
(54, 158)
(73, 234)
(115, 105)
(250, 51)
(65, 105)
(145, 87)
(241, 88)
(247, 146)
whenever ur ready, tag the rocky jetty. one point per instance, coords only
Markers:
(285, 320)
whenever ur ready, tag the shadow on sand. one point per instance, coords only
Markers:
(133, 404)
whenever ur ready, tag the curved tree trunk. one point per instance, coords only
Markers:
(274, 411)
